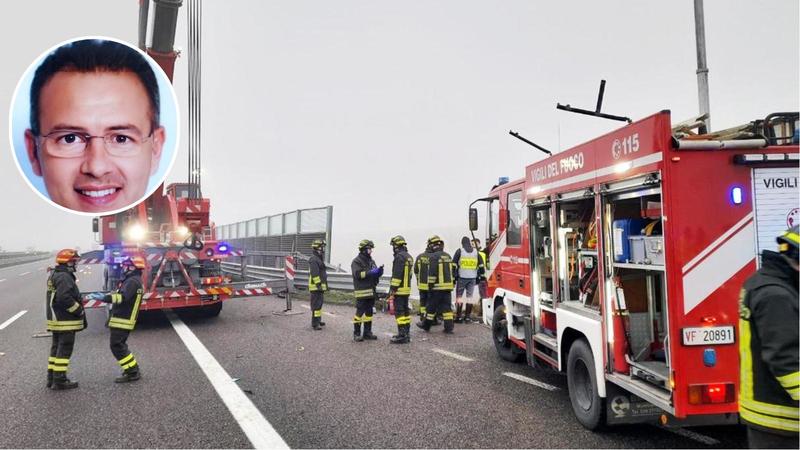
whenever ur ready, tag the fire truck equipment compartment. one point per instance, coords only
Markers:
(622, 230)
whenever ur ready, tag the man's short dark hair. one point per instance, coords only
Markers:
(94, 55)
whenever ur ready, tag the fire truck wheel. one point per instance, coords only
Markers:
(587, 405)
(505, 348)
(211, 310)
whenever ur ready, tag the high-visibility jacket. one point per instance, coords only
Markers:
(402, 266)
(363, 284)
(768, 347)
(440, 272)
(63, 302)
(125, 301)
(317, 274)
(483, 266)
(468, 263)
(421, 267)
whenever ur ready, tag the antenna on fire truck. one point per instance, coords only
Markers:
(596, 112)
(538, 147)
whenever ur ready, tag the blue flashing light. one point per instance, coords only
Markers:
(223, 247)
(710, 357)
(737, 196)
(502, 180)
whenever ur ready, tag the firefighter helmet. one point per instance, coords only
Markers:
(434, 240)
(398, 241)
(134, 262)
(789, 242)
(364, 244)
(318, 244)
(67, 255)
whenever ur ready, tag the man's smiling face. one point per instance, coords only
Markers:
(101, 103)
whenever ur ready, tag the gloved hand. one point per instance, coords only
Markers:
(95, 296)
(376, 272)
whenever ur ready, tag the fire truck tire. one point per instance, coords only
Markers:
(505, 348)
(211, 310)
(588, 406)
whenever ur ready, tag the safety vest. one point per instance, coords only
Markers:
(468, 264)
(401, 273)
(769, 381)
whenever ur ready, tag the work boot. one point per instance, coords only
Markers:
(315, 323)
(368, 336)
(321, 323)
(400, 337)
(467, 319)
(49, 378)
(425, 324)
(357, 332)
(61, 382)
(448, 326)
(129, 375)
(459, 320)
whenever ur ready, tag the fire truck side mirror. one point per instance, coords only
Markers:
(473, 219)
(95, 224)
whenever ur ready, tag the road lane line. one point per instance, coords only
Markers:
(2, 280)
(305, 306)
(453, 355)
(23, 274)
(15, 317)
(258, 430)
(693, 435)
(530, 381)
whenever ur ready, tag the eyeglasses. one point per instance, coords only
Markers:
(72, 144)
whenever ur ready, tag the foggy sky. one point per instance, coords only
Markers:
(397, 113)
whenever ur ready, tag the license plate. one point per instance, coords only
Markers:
(708, 335)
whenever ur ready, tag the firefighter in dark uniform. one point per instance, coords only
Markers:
(421, 273)
(125, 302)
(768, 345)
(317, 282)
(65, 316)
(440, 287)
(400, 289)
(366, 276)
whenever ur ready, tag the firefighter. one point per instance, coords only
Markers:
(400, 289)
(317, 282)
(65, 316)
(421, 273)
(768, 345)
(125, 303)
(482, 283)
(468, 263)
(366, 276)
(440, 287)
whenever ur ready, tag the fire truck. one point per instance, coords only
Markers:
(620, 262)
(172, 227)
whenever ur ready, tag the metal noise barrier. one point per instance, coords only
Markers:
(340, 281)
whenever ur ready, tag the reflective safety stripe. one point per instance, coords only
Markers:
(73, 308)
(422, 310)
(125, 360)
(51, 359)
(317, 313)
(362, 274)
(777, 423)
(356, 319)
(64, 325)
(367, 318)
(316, 280)
(403, 320)
(791, 383)
(422, 286)
(116, 298)
(362, 293)
(51, 367)
(60, 364)
(447, 315)
(130, 365)
(785, 412)
(404, 291)
(430, 316)
(396, 282)
(443, 286)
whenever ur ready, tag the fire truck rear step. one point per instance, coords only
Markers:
(654, 372)
(654, 395)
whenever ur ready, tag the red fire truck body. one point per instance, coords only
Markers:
(620, 261)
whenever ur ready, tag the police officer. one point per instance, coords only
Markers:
(125, 303)
(317, 282)
(440, 285)
(366, 276)
(65, 316)
(400, 289)
(768, 346)
(468, 263)
(421, 265)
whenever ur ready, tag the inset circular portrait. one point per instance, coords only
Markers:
(94, 125)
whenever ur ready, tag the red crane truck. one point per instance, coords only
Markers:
(620, 262)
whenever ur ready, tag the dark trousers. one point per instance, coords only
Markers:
(364, 308)
(317, 298)
(119, 348)
(423, 303)
(402, 313)
(762, 439)
(441, 302)
(61, 350)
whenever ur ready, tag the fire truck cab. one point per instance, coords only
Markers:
(620, 262)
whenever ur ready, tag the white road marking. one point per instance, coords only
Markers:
(693, 435)
(530, 381)
(2, 280)
(258, 430)
(15, 317)
(23, 274)
(453, 355)
(306, 306)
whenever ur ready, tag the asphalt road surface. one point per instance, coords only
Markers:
(251, 377)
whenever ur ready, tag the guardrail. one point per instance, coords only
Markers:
(15, 258)
(340, 281)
